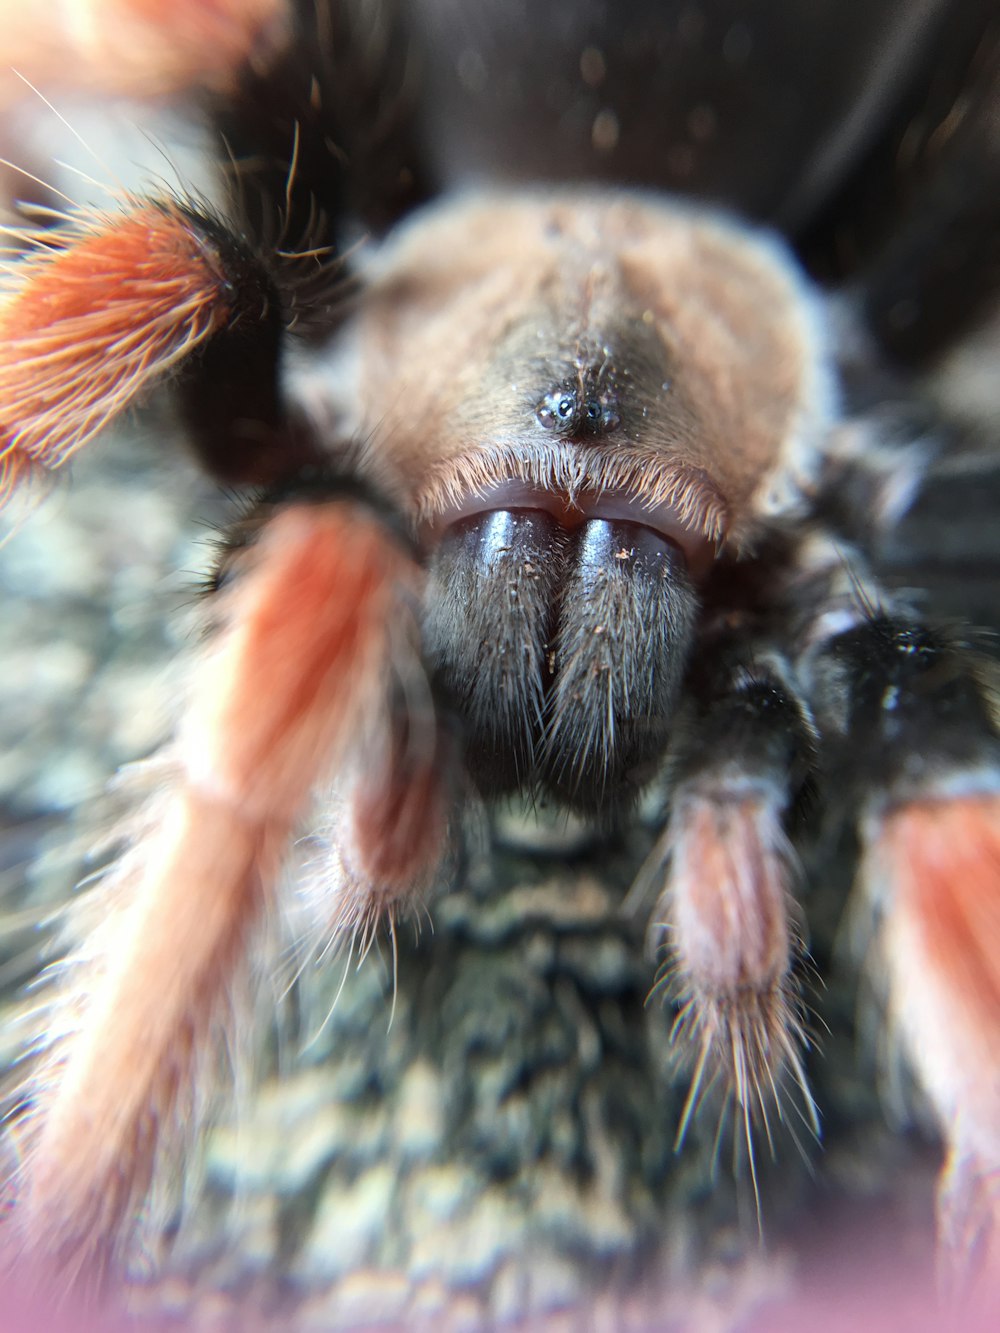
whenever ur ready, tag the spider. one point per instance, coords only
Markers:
(563, 491)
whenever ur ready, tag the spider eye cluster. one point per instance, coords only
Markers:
(572, 411)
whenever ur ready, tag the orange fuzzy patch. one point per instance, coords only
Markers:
(294, 683)
(942, 860)
(136, 48)
(936, 870)
(92, 321)
(290, 682)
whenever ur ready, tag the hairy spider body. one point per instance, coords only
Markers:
(551, 509)
(540, 532)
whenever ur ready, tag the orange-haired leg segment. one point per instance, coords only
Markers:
(920, 753)
(725, 907)
(313, 641)
(732, 949)
(94, 316)
(934, 867)
(101, 311)
(134, 48)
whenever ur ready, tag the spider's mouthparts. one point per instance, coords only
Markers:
(562, 649)
(572, 511)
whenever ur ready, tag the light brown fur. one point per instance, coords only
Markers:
(473, 311)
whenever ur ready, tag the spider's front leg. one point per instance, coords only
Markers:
(100, 312)
(313, 661)
(743, 753)
(816, 676)
(909, 713)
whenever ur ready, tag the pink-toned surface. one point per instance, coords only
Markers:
(138, 48)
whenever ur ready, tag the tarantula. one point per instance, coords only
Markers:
(559, 496)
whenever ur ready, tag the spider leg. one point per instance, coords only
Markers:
(315, 644)
(134, 48)
(312, 677)
(910, 714)
(100, 312)
(739, 763)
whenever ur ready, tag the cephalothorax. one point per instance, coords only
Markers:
(548, 508)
